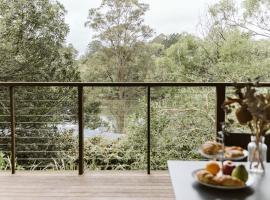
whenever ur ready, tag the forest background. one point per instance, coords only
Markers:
(234, 45)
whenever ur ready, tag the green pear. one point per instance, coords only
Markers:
(240, 172)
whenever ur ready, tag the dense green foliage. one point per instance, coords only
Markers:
(32, 42)
(32, 48)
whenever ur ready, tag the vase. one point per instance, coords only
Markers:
(257, 155)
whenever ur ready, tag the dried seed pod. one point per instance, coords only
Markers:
(267, 112)
(243, 115)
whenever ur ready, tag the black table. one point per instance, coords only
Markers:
(186, 188)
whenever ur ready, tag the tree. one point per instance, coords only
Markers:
(251, 16)
(240, 57)
(32, 42)
(181, 60)
(167, 40)
(234, 40)
(120, 30)
(32, 48)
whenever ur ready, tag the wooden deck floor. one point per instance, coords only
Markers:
(111, 185)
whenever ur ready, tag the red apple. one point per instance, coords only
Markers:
(228, 167)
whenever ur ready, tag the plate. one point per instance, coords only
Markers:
(249, 183)
(219, 156)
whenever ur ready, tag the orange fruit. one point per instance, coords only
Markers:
(213, 167)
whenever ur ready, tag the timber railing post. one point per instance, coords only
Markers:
(80, 128)
(148, 129)
(12, 128)
(220, 114)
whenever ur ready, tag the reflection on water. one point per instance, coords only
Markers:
(100, 131)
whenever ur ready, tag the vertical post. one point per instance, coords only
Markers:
(81, 127)
(148, 128)
(220, 114)
(12, 128)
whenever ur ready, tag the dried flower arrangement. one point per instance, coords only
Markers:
(253, 111)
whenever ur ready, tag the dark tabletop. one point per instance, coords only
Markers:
(186, 188)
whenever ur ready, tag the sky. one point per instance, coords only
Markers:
(164, 16)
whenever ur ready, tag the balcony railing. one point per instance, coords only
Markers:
(220, 89)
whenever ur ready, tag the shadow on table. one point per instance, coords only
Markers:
(207, 193)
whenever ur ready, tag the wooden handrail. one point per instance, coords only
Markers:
(132, 84)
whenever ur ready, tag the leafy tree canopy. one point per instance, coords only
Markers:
(249, 15)
(32, 37)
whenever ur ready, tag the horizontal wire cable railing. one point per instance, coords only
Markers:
(26, 133)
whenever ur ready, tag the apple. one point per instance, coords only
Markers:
(228, 167)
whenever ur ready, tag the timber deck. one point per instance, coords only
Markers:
(95, 185)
